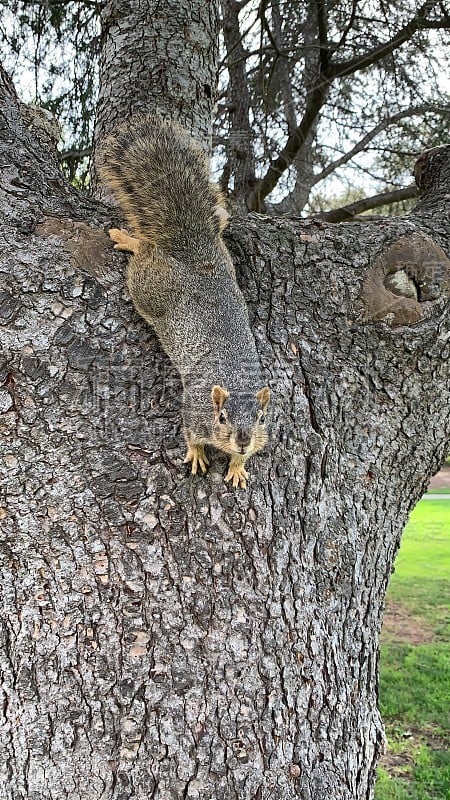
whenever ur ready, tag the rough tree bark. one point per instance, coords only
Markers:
(158, 56)
(163, 636)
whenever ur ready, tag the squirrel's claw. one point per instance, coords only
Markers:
(196, 454)
(238, 475)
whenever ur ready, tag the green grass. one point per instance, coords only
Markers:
(429, 779)
(421, 581)
(415, 679)
(389, 788)
(415, 686)
(433, 773)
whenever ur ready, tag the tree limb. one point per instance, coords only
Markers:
(240, 156)
(419, 21)
(290, 150)
(359, 146)
(348, 27)
(346, 213)
(285, 83)
(323, 36)
(74, 154)
(318, 95)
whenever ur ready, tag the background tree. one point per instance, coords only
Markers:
(163, 636)
(326, 61)
(51, 50)
(316, 98)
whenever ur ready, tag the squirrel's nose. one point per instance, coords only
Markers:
(242, 437)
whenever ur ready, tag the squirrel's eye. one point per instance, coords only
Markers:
(222, 418)
(262, 419)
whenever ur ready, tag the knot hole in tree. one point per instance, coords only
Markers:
(411, 278)
(406, 281)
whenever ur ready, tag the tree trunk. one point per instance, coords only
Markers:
(296, 200)
(162, 635)
(240, 154)
(158, 57)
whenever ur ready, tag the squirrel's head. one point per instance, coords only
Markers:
(239, 424)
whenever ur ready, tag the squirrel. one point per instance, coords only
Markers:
(181, 279)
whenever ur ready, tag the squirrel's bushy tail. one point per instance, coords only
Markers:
(160, 178)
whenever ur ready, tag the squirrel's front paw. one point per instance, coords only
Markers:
(237, 474)
(123, 240)
(196, 454)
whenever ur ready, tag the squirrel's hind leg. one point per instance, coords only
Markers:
(123, 240)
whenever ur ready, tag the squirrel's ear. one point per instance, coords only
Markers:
(264, 397)
(223, 216)
(218, 396)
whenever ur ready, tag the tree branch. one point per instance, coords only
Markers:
(342, 68)
(359, 146)
(348, 27)
(290, 150)
(323, 36)
(318, 95)
(285, 83)
(74, 154)
(241, 160)
(346, 213)
(315, 98)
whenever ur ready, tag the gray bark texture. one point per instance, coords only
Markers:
(164, 636)
(158, 57)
